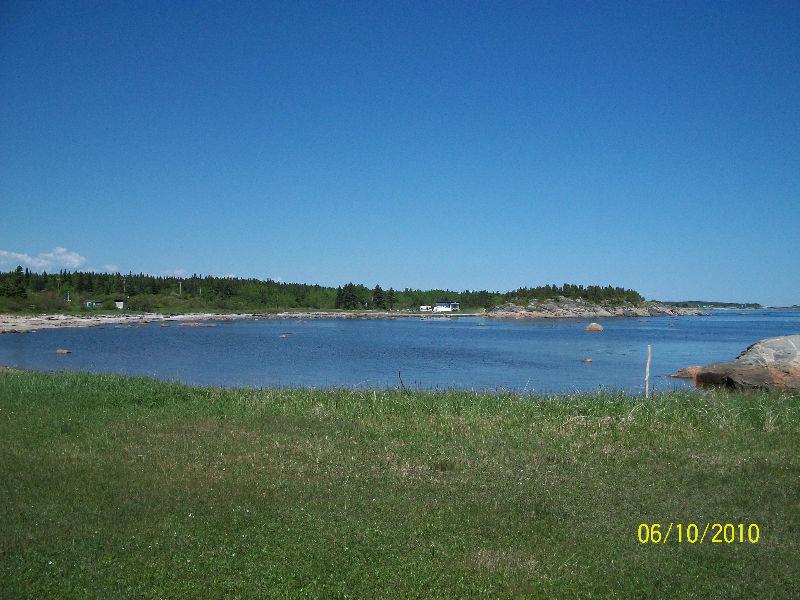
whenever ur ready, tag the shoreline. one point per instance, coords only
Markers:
(566, 309)
(10, 323)
(29, 323)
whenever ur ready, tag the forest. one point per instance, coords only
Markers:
(22, 290)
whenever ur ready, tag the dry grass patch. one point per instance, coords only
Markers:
(503, 560)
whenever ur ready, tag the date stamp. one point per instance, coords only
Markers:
(698, 533)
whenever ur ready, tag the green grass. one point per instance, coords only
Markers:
(113, 487)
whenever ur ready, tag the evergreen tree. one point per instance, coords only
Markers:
(349, 297)
(339, 297)
(391, 298)
(378, 298)
(16, 287)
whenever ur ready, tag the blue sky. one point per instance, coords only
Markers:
(460, 145)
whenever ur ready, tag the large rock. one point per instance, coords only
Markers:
(771, 363)
(687, 372)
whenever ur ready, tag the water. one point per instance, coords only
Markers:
(530, 356)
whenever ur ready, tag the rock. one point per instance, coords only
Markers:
(564, 308)
(594, 327)
(687, 372)
(773, 363)
(63, 351)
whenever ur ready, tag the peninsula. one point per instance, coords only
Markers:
(31, 300)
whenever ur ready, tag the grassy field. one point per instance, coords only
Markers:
(114, 488)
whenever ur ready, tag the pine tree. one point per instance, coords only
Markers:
(349, 297)
(378, 299)
(339, 297)
(16, 288)
(391, 298)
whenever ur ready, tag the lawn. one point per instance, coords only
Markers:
(117, 487)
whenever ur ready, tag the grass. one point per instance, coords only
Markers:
(117, 487)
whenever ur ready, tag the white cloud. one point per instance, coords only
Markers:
(103, 269)
(61, 257)
(58, 258)
(174, 273)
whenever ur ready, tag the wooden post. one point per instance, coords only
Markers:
(647, 373)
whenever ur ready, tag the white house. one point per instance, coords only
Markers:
(120, 304)
(446, 306)
(425, 308)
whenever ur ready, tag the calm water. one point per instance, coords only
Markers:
(543, 356)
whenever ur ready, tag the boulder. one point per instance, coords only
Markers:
(594, 327)
(687, 372)
(772, 363)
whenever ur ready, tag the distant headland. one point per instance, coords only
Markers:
(83, 294)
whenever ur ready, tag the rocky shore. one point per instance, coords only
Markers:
(28, 323)
(545, 310)
(773, 363)
(564, 308)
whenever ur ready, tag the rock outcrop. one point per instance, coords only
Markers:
(773, 363)
(596, 327)
(564, 308)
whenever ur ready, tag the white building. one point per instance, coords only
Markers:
(446, 306)
(425, 308)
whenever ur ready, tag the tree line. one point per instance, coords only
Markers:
(22, 289)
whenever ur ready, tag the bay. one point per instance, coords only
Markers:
(465, 353)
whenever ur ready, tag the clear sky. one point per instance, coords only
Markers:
(410, 144)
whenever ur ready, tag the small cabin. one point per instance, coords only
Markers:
(425, 308)
(446, 306)
(91, 304)
(119, 304)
